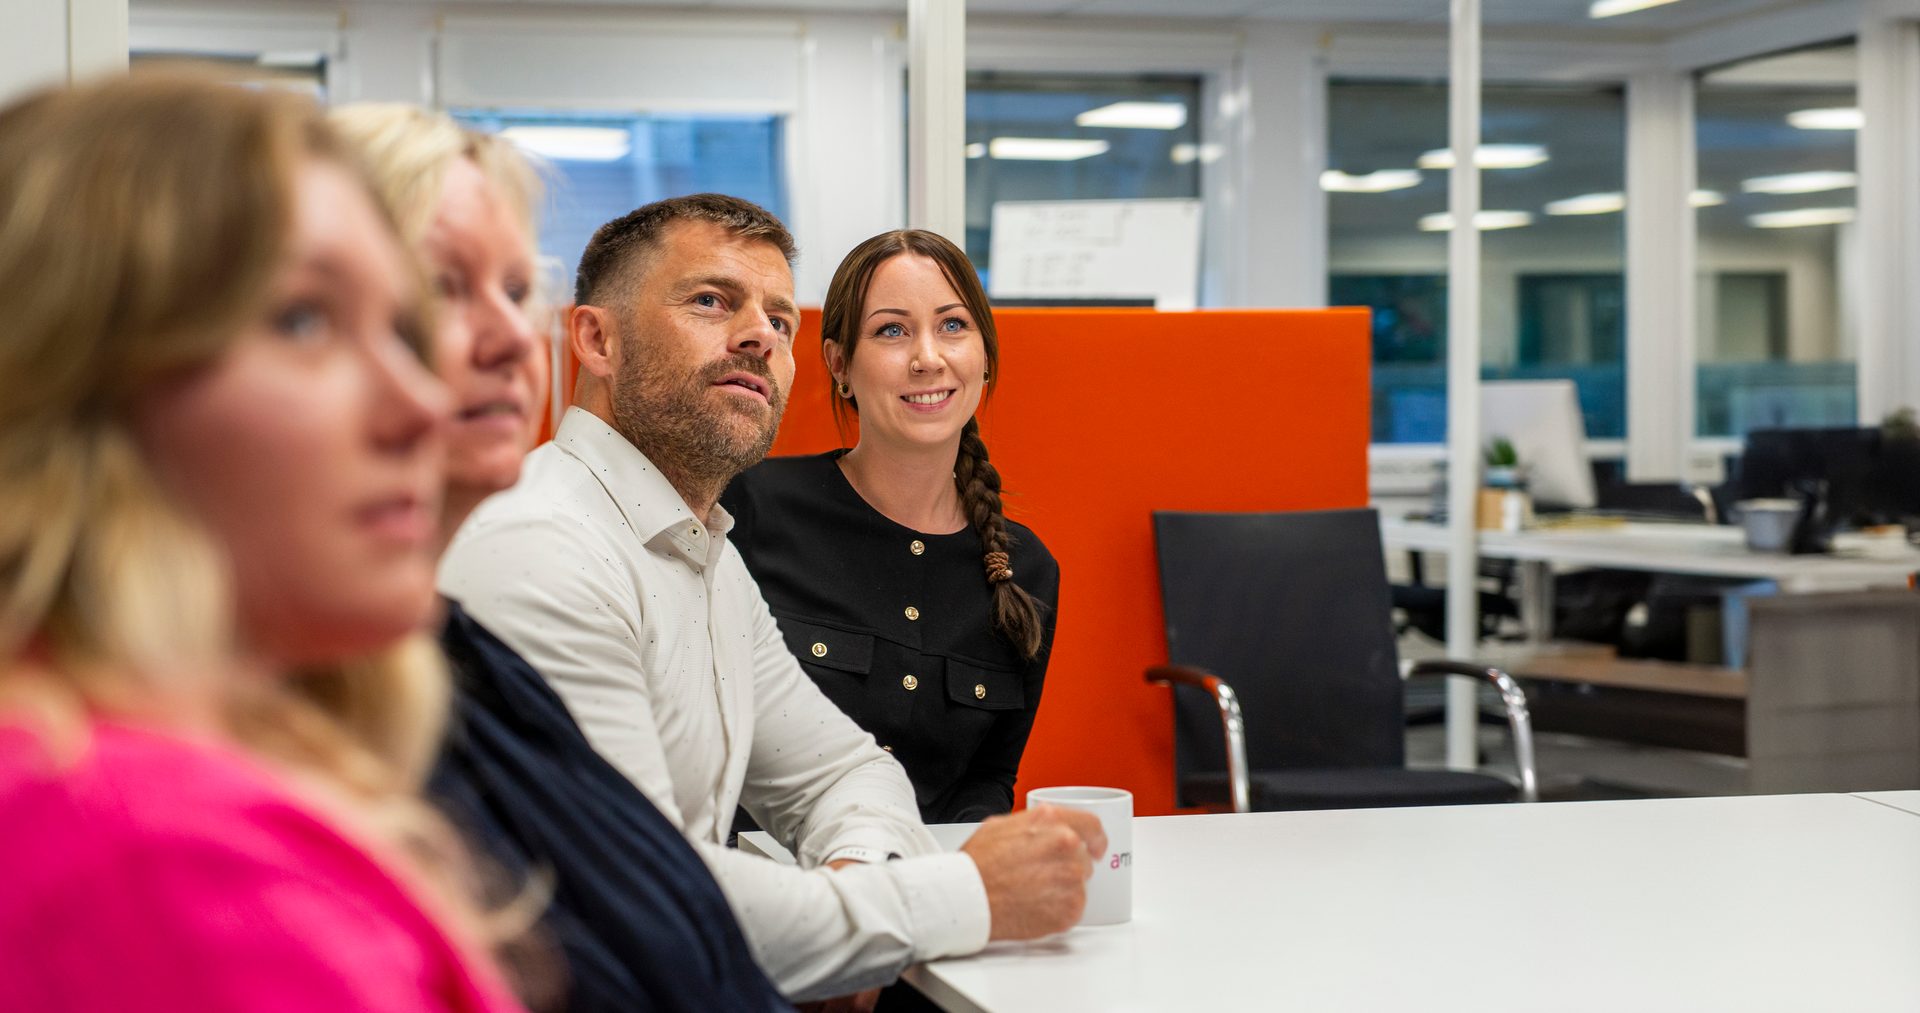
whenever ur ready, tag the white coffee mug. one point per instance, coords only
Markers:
(1110, 890)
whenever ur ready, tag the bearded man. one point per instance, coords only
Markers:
(607, 568)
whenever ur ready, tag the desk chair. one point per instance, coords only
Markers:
(1288, 692)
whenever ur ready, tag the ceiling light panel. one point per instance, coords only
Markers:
(1378, 181)
(1800, 182)
(1487, 221)
(1614, 8)
(1800, 218)
(1490, 156)
(572, 144)
(1589, 204)
(1045, 149)
(1186, 154)
(1136, 116)
(1841, 118)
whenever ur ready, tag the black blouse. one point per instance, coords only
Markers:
(641, 922)
(896, 627)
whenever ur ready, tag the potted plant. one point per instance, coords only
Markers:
(1504, 504)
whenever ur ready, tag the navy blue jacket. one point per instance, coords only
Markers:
(640, 921)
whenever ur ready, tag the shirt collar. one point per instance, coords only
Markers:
(649, 503)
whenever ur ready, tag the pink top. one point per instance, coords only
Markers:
(160, 875)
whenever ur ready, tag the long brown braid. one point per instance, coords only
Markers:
(1015, 612)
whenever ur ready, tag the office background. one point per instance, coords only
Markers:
(1300, 124)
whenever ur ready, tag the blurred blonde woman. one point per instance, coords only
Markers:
(220, 473)
(640, 920)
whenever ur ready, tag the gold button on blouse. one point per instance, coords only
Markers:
(912, 613)
(819, 650)
(887, 748)
(979, 691)
(916, 546)
(910, 683)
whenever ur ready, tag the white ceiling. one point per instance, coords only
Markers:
(1673, 18)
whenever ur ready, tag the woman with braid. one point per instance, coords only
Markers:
(902, 587)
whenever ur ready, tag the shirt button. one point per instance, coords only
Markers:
(979, 691)
(912, 613)
(819, 650)
(887, 748)
(910, 683)
(917, 546)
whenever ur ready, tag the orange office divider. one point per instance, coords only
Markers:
(1101, 417)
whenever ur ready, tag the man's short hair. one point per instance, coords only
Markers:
(620, 248)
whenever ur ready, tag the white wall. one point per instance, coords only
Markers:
(843, 91)
(1263, 84)
(47, 42)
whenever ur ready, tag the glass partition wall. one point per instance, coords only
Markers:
(1777, 246)
(606, 164)
(1065, 137)
(1553, 294)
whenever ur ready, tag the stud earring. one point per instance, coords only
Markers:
(986, 377)
(844, 391)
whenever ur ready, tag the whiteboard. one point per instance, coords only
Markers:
(1098, 249)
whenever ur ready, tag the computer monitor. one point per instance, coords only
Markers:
(1867, 478)
(1541, 418)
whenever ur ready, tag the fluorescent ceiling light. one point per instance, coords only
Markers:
(291, 59)
(1800, 182)
(1800, 218)
(1377, 181)
(1487, 221)
(572, 144)
(1609, 8)
(1490, 156)
(1045, 149)
(1184, 154)
(1608, 203)
(1589, 204)
(976, 150)
(1136, 116)
(1842, 118)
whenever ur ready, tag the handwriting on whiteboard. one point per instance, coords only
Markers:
(1098, 249)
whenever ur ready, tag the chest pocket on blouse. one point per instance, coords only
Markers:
(828, 647)
(990, 689)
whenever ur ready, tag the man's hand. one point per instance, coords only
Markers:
(1035, 866)
(859, 1002)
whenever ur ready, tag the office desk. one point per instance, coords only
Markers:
(1804, 902)
(1707, 550)
(1828, 702)
(1904, 800)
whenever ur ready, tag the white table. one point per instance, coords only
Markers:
(1905, 800)
(1789, 903)
(1859, 562)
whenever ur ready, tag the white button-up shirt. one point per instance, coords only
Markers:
(648, 625)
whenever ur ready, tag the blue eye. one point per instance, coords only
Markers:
(953, 325)
(707, 299)
(890, 331)
(300, 322)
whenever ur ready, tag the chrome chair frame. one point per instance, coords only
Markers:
(1233, 727)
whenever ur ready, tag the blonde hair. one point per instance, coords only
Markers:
(406, 150)
(141, 221)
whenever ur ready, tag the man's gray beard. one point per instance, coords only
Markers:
(664, 417)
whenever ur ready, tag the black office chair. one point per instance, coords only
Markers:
(1287, 685)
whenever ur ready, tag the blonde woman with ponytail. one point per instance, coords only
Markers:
(637, 916)
(902, 587)
(220, 470)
